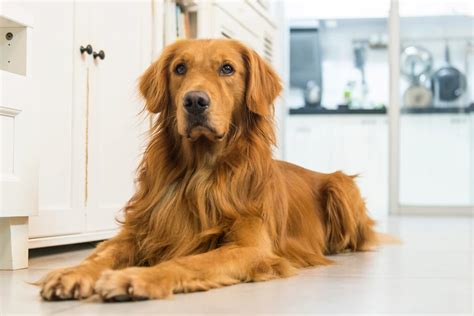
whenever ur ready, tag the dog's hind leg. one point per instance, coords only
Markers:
(348, 226)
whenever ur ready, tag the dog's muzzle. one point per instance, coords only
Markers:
(196, 102)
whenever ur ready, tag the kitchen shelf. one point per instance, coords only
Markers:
(15, 37)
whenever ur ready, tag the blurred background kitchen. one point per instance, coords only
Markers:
(385, 90)
(379, 88)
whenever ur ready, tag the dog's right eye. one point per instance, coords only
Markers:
(180, 69)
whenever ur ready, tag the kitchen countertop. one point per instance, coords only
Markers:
(404, 110)
(319, 110)
(438, 110)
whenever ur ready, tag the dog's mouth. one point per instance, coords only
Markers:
(198, 129)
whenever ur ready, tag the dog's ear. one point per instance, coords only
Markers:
(153, 84)
(263, 84)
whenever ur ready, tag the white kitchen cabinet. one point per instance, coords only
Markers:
(355, 144)
(435, 159)
(60, 211)
(115, 130)
(91, 134)
(225, 26)
(238, 20)
(18, 136)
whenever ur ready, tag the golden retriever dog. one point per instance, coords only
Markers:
(212, 208)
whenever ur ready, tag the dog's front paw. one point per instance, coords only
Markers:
(68, 283)
(134, 284)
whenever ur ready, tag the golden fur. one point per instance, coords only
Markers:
(212, 207)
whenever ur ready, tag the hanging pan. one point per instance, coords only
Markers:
(448, 82)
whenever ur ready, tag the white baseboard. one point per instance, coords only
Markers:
(70, 239)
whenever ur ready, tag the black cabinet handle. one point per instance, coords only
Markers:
(87, 49)
(99, 54)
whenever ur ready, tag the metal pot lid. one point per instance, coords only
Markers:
(415, 61)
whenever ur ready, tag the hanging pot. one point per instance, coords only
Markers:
(448, 82)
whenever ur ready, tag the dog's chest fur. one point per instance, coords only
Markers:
(192, 216)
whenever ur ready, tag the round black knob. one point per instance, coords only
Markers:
(99, 54)
(87, 49)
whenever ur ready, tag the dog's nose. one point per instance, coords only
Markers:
(196, 102)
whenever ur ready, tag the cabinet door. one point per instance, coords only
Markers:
(435, 160)
(60, 209)
(115, 135)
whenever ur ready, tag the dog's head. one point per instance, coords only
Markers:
(207, 85)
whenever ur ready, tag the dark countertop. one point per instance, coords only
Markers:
(320, 110)
(436, 110)
(404, 110)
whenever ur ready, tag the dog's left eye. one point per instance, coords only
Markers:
(180, 69)
(227, 70)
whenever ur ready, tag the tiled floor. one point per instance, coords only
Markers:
(431, 272)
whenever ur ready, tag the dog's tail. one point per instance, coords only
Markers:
(348, 226)
(387, 239)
